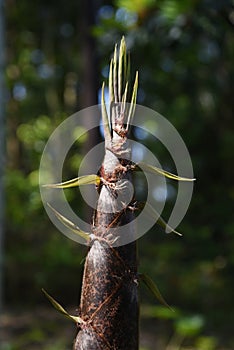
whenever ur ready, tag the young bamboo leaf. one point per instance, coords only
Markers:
(71, 225)
(124, 98)
(133, 103)
(154, 289)
(152, 212)
(125, 66)
(154, 170)
(114, 79)
(105, 120)
(60, 309)
(78, 181)
(111, 88)
(122, 53)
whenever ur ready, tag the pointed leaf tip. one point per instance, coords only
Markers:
(115, 75)
(159, 220)
(159, 171)
(111, 88)
(154, 289)
(122, 53)
(78, 181)
(69, 224)
(133, 102)
(105, 119)
(60, 309)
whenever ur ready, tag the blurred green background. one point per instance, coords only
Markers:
(56, 57)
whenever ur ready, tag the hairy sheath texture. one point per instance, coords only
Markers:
(109, 298)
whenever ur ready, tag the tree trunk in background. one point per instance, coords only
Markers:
(88, 93)
(2, 144)
(89, 79)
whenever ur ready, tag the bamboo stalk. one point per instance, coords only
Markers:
(109, 297)
(108, 312)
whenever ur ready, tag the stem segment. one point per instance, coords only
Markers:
(109, 297)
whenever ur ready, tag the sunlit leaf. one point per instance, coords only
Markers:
(122, 54)
(66, 222)
(133, 102)
(78, 181)
(124, 98)
(115, 79)
(111, 89)
(60, 309)
(106, 126)
(153, 288)
(125, 63)
(158, 171)
(118, 80)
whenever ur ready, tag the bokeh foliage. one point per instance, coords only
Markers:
(184, 52)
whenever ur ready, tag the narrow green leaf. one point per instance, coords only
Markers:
(105, 120)
(122, 55)
(115, 78)
(120, 73)
(78, 181)
(154, 289)
(159, 219)
(133, 103)
(125, 64)
(158, 171)
(111, 88)
(60, 309)
(66, 222)
(124, 98)
(165, 226)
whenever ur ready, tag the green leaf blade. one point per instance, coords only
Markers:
(111, 88)
(78, 181)
(60, 309)
(122, 50)
(133, 102)
(105, 119)
(154, 289)
(69, 224)
(160, 221)
(155, 170)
